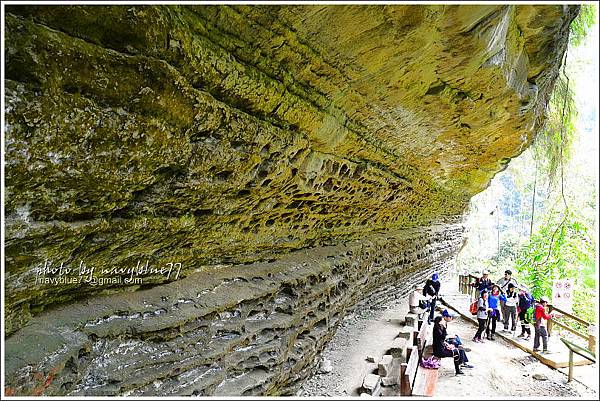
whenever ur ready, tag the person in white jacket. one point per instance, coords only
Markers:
(482, 315)
(503, 284)
(416, 300)
(512, 300)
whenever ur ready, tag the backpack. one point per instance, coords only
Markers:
(530, 315)
(530, 299)
(473, 307)
(534, 321)
(430, 363)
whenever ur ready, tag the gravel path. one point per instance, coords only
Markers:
(501, 370)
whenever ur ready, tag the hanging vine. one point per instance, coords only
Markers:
(553, 145)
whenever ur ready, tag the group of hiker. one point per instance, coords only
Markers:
(443, 345)
(509, 302)
(502, 301)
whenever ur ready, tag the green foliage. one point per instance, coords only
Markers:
(553, 144)
(582, 24)
(562, 244)
(508, 251)
(584, 305)
(557, 250)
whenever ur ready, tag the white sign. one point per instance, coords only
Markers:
(562, 294)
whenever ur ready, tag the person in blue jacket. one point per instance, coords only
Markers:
(494, 315)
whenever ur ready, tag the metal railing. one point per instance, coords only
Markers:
(465, 286)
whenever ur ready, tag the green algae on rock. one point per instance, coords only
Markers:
(239, 136)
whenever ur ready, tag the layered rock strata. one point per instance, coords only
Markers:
(224, 330)
(222, 140)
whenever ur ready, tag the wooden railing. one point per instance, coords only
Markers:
(574, 348)
(465, 287)
(589, 336)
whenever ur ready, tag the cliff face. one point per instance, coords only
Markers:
(281, 164)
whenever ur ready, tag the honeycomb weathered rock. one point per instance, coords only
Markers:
(294, 160)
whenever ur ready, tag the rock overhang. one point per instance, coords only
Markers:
(236, 134)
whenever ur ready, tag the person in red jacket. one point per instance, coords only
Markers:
(540, 325)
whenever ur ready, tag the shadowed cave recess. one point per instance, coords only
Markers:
(291, 162)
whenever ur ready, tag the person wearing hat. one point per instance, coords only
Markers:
(540, 325)
(432, 290)
(484, 282)
(482, 315)
(442, 348)
(512, 299)
(416, 301)
(455, 340)
(503, 284)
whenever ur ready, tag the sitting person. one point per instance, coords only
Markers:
(442, 348)
(417, 302)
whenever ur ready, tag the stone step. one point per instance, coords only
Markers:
(371, 385)
(398, 349)
(411, 320)
(384, 365)
(406, 332)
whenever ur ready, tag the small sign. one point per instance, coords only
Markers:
(562, 294)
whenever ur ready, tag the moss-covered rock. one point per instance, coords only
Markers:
(233, 135)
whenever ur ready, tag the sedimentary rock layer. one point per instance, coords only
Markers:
(205, 136)
(223, 330)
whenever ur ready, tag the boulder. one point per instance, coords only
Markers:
(412, 320)
(407, 332)
(325, 366)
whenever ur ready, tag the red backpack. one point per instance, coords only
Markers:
(473, 307)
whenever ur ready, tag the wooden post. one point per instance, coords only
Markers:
(404, 384)
(591, 339)
(549, 321)
(570, 365)
(405, 388)
(472, 288)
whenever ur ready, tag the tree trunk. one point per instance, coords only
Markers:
(533, 200)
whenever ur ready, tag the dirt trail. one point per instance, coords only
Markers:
(500, 369)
